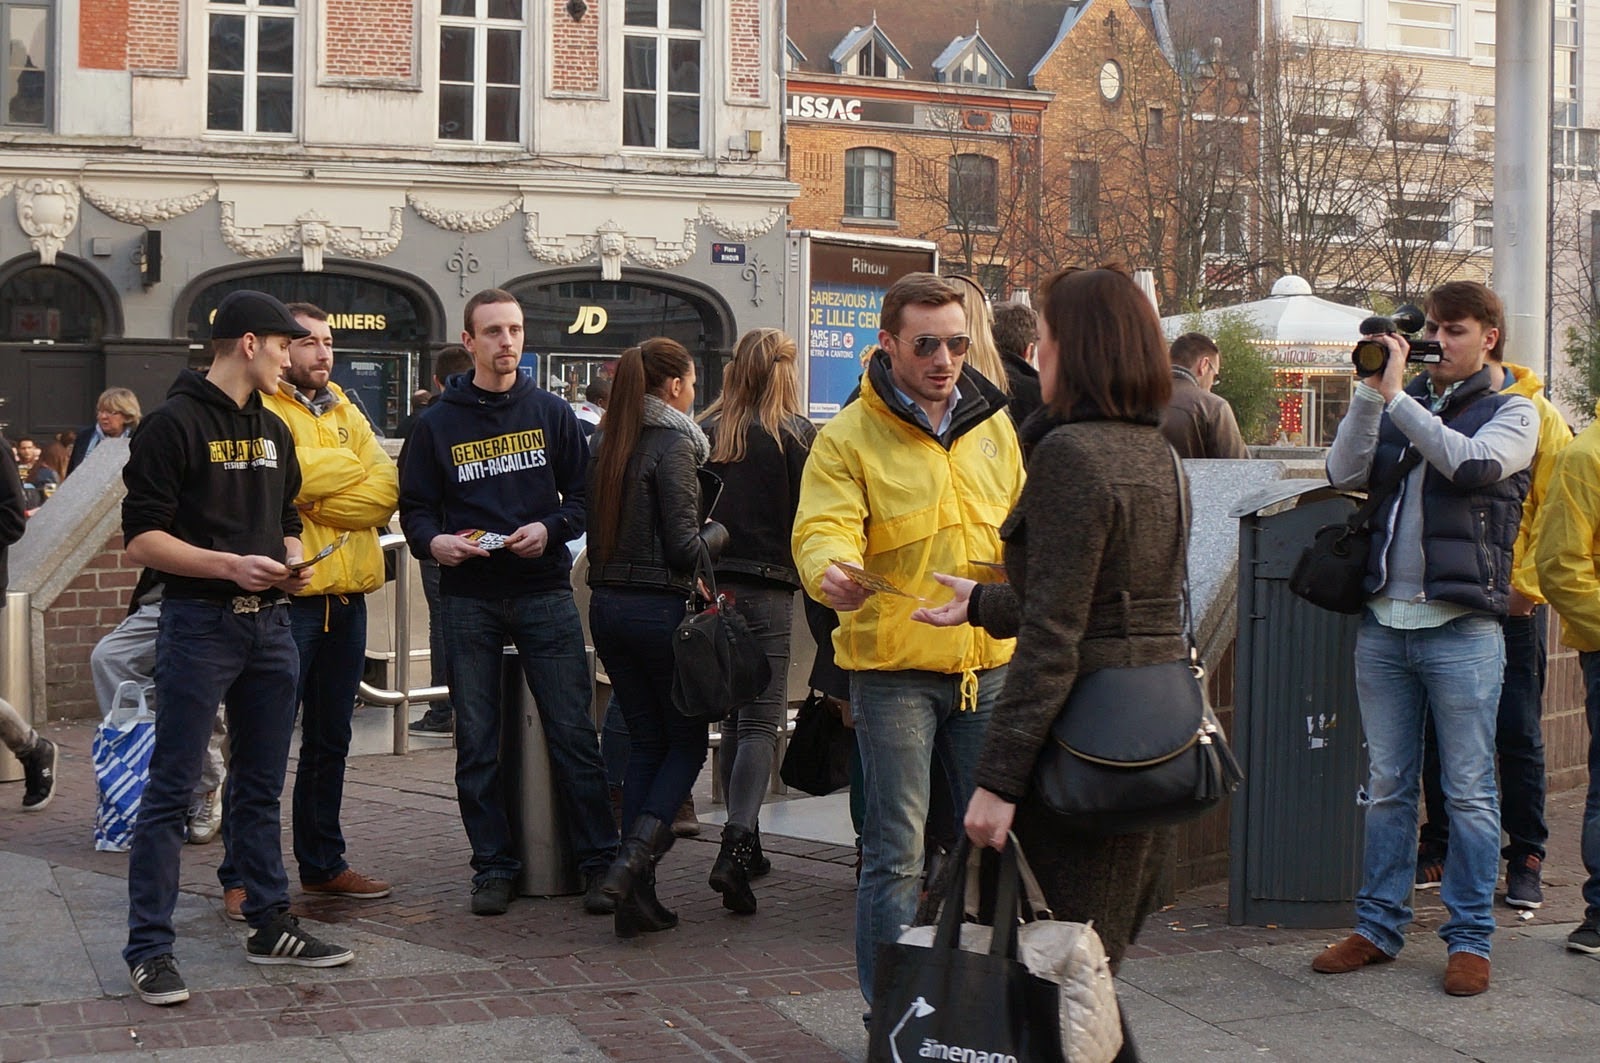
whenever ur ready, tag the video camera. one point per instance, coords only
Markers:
(1370, 356)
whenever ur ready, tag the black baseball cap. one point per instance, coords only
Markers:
(255, 312)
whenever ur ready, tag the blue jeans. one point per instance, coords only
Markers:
(1591, 805)
(750, 734)
(614, 741)
(903, 720)
(206, 653)
(1455, 672)
(438, 656)
(633, 635)
(331, 637)
(549, 639)
(1518, 740)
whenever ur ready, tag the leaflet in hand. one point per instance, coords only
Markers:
(873, 582)
(299, 566)
(487, 539)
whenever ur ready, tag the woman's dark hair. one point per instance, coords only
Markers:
(648, 367)
(1111, 356)
(53, 458)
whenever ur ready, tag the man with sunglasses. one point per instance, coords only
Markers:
(915, 477)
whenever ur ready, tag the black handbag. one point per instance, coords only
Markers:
(1138, 748)
(945, 1002)
(718, 665)
(817, 759)
(1332, 572)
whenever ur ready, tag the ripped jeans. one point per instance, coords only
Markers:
(1455, 670)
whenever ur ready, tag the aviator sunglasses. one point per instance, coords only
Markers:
(924, 346)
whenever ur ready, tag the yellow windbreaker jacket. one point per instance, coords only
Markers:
(1554, 435)
(1568, 540)
(347, 483)
(881, 492)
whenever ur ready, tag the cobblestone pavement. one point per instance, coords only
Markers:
(547, 981)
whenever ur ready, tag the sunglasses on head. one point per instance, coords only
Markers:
(924, 346)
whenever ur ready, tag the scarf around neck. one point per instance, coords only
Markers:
(657, 414)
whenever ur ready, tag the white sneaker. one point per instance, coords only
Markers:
(205, 817)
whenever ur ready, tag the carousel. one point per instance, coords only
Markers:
(1307, 340)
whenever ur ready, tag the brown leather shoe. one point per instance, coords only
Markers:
(1351, 954)
(233, 903)
(350, 883)
(1466, 975)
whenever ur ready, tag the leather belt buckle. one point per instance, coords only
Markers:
(246, 603)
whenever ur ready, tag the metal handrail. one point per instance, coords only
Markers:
(400, 634)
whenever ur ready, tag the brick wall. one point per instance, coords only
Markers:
(93, 604)
(744, 50)
(922, 206)
(574, 50)
(102, 35)
(154, 32)
(370, 39)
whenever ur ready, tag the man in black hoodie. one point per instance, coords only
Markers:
(211, 479)
(492, 486)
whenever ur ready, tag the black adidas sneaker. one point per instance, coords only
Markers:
(283, 941)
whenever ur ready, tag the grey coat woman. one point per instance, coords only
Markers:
(1094, 560)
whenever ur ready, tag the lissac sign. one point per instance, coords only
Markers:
(828, 108)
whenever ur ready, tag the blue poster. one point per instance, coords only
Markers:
(844, 323)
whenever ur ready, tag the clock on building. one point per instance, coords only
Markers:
(1111, 80)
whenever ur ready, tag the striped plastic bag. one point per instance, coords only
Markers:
(121, 756)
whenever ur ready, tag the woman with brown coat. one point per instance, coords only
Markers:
(1094, 559)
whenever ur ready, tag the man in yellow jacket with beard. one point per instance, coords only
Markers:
(1569, 574)
(347, 485)
(913, 478)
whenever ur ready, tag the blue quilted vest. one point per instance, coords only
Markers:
(1469, 524)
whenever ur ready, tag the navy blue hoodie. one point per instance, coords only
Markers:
(495, 461)
(213, 475)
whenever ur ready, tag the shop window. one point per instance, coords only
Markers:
(869, 183)
(250, 66)
(974, 191)
(48, 303)
(662, 47)
(480, 70)
(25, 73)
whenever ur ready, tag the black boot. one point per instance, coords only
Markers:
(759, 864)
(730, 875)
(648, 839)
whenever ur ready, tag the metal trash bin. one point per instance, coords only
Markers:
(1296, 835)
(549, 868)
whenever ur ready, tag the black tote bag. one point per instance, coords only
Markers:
(946, 1003)
(817, 759)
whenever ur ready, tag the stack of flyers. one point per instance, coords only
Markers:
(487, 539)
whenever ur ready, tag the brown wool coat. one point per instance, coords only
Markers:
(1095, 570)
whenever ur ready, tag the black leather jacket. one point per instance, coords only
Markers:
(663, 517)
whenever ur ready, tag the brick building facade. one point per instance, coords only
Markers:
(1027, 105)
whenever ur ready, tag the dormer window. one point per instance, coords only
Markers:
(970, 61)
(874, 61)
(793, 58)
(867, 52)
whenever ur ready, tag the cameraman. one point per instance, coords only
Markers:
(1440, 578)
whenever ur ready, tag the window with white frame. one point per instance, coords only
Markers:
(25, 70)
(480, 70)
(662, 47)
(1224, 233)
(873, 60)
(1336, 22)
(1419, 221)
(250, 66)
(869, 183)
(1338, 226)
(1422, 27)
(1565, 111)
(1482, 224)
(1483, 34)
(975, 69)
(1483, 127)
(1423, 121)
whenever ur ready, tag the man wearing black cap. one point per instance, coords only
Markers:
(211, 479)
